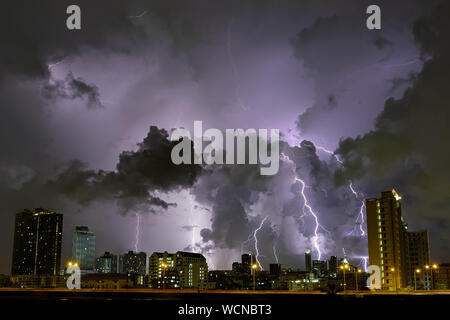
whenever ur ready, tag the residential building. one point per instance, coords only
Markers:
(37, 242)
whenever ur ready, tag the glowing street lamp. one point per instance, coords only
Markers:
(356, 277)
(344, 267)
(433, 267)
(72, 264)
(415, 278)
(164, 266)
(254, 267)
(394, 278)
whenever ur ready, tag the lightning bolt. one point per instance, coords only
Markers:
(332, 153)
(256, 242)
(315, 239)
(138, 16)
(361, 210)
(246, 241)
(365, 263)
(51, 65)
(191, 218)
(275, 252)
(136, 242)
(360, 218)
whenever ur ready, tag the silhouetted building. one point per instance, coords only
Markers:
(353, 279)
(319, 268)
(106, 281)
(247, 261)
(308, 266)
(106, 263)
(275, 270)
(332, 266)
(236, 267)
(441, 277)
(224, 280)
(418, 256)
(37, 242)
(133, 263)
(83, 248)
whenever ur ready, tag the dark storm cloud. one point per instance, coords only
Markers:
(134, 185)
(344, 58)
(399, 83)
(381, 42)
(73, 88)
(34, 33)
(177, 62)
(229, 190)
(408, 149)
(312, 114)
(138, 174)
(241, 201)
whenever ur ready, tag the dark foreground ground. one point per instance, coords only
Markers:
(152, 304)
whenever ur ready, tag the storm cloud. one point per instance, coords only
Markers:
(407, 149)
(308, 68)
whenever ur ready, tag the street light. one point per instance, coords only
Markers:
(344, 267)
(356, 277)
(164, 266)
(395, 280)
(71, 263)
(427, 267)
(434, 267)
(415, 278)
(254, 266)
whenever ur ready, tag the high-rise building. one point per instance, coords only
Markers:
(386, 233)
(308, 264)
(133, 263)
(319, 268)
(440, 277)
(37, 242)
(191, 268)
(247, 261)
(332, 266)
(83, 248)
(418, 255)
(106, 263)
(391, 247)
(275, 270)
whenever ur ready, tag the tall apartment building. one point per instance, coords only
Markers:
(83, 248)
(246, 263)
(190, 268)
(332, 266)
(386, 232)
(308, 263)
(391, 247)
(319, 268)
(37, 242)
(418, 253)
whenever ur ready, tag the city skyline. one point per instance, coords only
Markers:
(84, 252)
(88, 113)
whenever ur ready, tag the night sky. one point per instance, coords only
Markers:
(86, 114)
